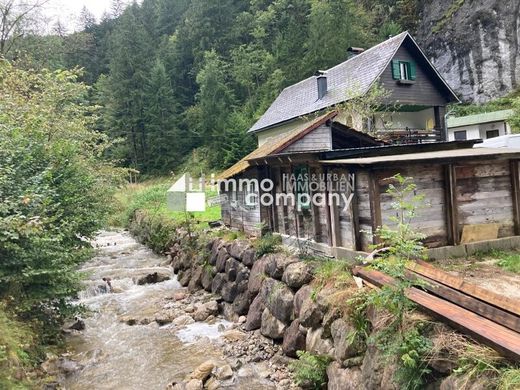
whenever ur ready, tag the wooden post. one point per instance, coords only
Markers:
(354, 219)
(314, 211)
(333, 218)
(375, 205)
(283, 207)
(452, 220)
(515, 194)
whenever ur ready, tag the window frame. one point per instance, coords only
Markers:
(465, 132)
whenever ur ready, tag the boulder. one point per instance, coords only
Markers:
(183, 320)
(194, 384)
(195, 283)
(297, 274)
(202, 372)
(238, 247)
(153, 278)
(218, 283)
(271, 326)
(343, 379)
(294, 339)
(316, 344)
(241, 303)
(457, 381)
(223, 373)
(221, 260)
(204, 311)
(343, 346)
(184, 277)
(377, 372)
(215, 251)
(254, 315)
(248, 257)
(242, 274)
(231, 269)
(257, 276)
(311, 312)
(277, 263)
(229, 292)
(280, 302)
(207, 277)
(301, 295)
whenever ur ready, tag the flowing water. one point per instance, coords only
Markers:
(114, 355)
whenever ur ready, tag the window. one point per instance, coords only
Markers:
(250, 193)
(403, 70)
(492, 133)
(460, 135)
(301, 173)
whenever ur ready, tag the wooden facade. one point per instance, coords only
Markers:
(459, 191)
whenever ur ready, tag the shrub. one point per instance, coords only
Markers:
(268, 243)
(310, 370)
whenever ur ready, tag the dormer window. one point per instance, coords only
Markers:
(403, 71)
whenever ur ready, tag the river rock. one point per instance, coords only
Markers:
(271, 327)
(457, 381)
(234, 335)
(343, 379)
(212, 384)
(184, 277)
(218, 283)
(243, 274)
(207, 277)
(204, 311)
(231, 269)
(280, 302)
(343, 347)
(297, 274)
(203, 371)
(195, 283)
(183, 320)
(152, 278)
(316, 344)
(237, 248)
(241, 303)
(254, 315)
(221, 260)
(248, 257)
(276, 264)
(68, 367)
(194, 384)
(257, 276)
(294, 339)
(79, 325)
(223, 373)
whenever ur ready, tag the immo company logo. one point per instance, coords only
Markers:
(299, 190)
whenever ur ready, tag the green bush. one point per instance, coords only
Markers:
(55, 191)
(310, 370)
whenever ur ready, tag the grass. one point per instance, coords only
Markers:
(15, 339)
(150, 196)
(510, 262)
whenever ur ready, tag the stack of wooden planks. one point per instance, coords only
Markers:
(486, 316)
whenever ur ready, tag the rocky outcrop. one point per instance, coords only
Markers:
(473, 44)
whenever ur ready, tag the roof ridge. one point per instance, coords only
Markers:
(350, 59)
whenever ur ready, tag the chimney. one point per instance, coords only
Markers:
(354, 51)
(321, 78)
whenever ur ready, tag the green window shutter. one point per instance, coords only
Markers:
(411, 70)
(396, 72)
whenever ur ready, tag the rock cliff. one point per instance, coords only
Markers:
(474, 44)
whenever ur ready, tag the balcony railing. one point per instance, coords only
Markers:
(409, 135)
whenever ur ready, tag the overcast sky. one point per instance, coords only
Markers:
(68, 10)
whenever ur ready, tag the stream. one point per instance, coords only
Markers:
(114, 355)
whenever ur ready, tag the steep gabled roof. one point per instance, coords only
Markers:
(354, 76)
(277, 144)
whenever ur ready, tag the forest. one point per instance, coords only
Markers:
(156, 68)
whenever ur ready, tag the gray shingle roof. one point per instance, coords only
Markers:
(354, 75)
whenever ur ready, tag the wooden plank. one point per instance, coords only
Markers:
(375, 205)
(452, 223)
(479, 232)
(515, 194)
(484, 309)
(498, 337)
(500, 301)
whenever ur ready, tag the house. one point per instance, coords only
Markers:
(319, 174)
(483, 126)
